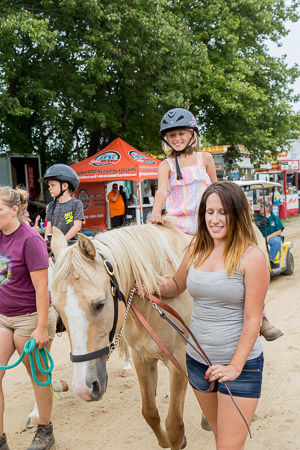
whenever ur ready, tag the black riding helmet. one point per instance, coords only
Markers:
(63, 174)
(175, 119)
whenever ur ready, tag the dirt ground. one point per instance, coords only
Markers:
(116, 422)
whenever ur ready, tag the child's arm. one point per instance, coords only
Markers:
(210, 166)
(48, 229)
(74, 230)
(161, 193)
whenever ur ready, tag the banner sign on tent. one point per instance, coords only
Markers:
(140, 157)
(92, 196)
(106, 159)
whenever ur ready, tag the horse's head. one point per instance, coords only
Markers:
(83, 299)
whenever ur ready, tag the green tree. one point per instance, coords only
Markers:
(108, 69)
(246, 97)
(75, 74)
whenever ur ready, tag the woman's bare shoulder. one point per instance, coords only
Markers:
(254, 258)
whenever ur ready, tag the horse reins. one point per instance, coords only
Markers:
(157, 304)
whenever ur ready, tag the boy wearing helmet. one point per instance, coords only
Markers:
(185, 174)
(65, 212)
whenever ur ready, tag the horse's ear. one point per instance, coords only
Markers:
(58, 241)
(86, 246)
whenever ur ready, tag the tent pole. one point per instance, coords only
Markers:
(139, 216)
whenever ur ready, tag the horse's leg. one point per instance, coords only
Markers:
(147, 375)
(174, 420)
(127, 370)
(33, 418)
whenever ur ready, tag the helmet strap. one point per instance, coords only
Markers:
(190, 144)
(62, 191)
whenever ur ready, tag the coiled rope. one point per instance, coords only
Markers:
(31, 349)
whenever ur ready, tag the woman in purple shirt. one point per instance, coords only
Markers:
(25, 309)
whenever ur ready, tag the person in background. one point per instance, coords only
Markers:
(185, 174)
(116, 207)
(28, 221)
(65, 212)
(26, 218)
(25, 308)
(275, 197)
(271, 228)
(228, 277)
(132, 200)
(124, 197)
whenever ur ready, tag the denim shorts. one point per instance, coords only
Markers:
(247, 384)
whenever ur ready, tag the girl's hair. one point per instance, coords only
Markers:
(15, 197)
(195, 142)
(240, 234)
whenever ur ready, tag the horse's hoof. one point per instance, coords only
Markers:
(184, 442)
(127, 373)
(32, 422)
(204, 424)
(60, 386)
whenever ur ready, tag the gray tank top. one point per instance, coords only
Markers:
(218, 314)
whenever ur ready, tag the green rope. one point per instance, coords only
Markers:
(29, 347)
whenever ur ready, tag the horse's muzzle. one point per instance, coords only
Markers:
(98, 391)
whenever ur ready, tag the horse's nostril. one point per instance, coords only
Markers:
(95, 390)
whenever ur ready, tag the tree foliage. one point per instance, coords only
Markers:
(246, 98)
(75, 74)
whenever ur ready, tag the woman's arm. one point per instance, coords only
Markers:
(175, 285)
(210, 166)
(276, 233)
(161, 193)
(40, 282)
(256, 279)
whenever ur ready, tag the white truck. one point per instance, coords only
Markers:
(18, 169)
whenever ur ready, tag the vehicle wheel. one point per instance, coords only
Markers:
(289, 264)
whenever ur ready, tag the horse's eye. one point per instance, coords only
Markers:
(98, 306)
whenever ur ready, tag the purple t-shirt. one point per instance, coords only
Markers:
(21, 252)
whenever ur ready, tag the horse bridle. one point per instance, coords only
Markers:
(117, 297)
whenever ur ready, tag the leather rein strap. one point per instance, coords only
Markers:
(117, 296)
(163, 346)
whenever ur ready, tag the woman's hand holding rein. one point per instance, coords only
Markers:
(222, 373)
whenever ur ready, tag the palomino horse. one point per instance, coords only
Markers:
(140, 254)
(62, 386)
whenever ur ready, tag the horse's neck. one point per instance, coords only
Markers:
(50, 275)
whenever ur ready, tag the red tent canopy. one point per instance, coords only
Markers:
(117, 161)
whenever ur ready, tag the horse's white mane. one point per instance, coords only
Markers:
(141, 251)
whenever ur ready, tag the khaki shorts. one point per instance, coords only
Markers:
(24, 325)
